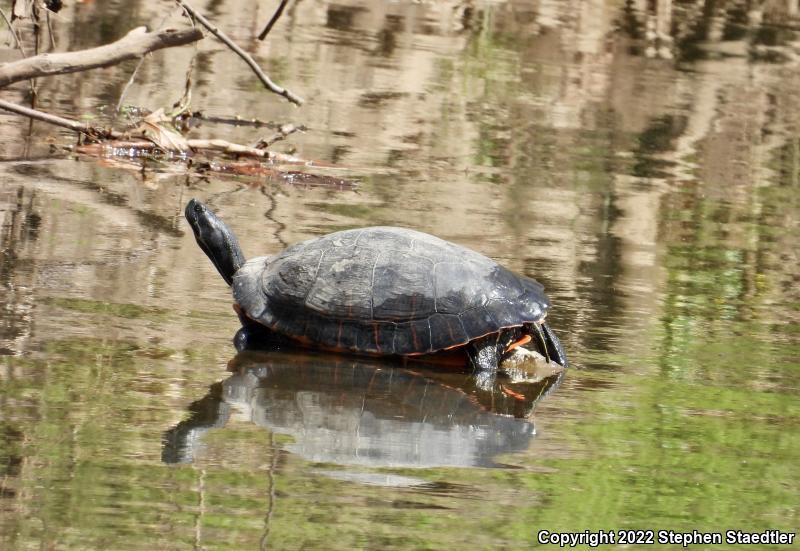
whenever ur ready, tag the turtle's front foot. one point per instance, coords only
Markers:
(484, 358)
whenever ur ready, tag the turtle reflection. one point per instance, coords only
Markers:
(356, 412)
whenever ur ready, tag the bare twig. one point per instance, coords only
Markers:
(237, 149)
(283, 132)
(233, 121)
(83, 128)
(182, 105)
(135, 44)
(129, 84)
(273, 20)
(241, 53)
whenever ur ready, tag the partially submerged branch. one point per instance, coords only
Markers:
(134, 141)
(155, 135)
(241, 53)
(134, 45)
(70, 124)
(221, 146)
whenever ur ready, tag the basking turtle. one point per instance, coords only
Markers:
(381, 291)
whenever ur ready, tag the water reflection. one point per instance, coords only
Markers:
(360, 412)
(656, 198)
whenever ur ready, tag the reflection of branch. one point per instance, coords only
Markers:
(273, 464)
(19, 46)
(128, 85)
(273, 20)
(13, 33)
(133, 45)
(241, 53)
(270, 215)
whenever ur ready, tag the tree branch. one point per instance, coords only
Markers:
(241, 53)
(273, 19)
(133, 45)
(81, 127)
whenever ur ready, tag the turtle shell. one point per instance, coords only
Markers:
(385, 290)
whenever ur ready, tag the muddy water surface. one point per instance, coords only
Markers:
(643, 165)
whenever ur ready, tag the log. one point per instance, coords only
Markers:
(133, 45)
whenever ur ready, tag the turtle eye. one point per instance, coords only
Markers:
(198, 208)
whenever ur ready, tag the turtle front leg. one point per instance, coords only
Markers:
(484, 357)
(483, 354)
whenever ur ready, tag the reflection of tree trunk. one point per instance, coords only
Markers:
(20, 227)
(658, 29)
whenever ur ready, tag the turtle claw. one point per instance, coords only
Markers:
(554, 349)
(548, 344)
(541, 341)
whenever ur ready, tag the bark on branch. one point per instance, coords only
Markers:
(133, 45)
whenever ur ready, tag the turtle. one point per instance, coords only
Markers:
(381, 291)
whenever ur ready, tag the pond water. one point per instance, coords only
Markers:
(643, 163)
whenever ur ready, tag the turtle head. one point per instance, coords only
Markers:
(215, 238)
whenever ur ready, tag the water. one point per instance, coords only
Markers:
(642, 165)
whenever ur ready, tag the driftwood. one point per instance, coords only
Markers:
(133, 45)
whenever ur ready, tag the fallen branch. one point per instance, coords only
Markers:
(76, 126)
(133, 45)
(271, 86)
(139, 144)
